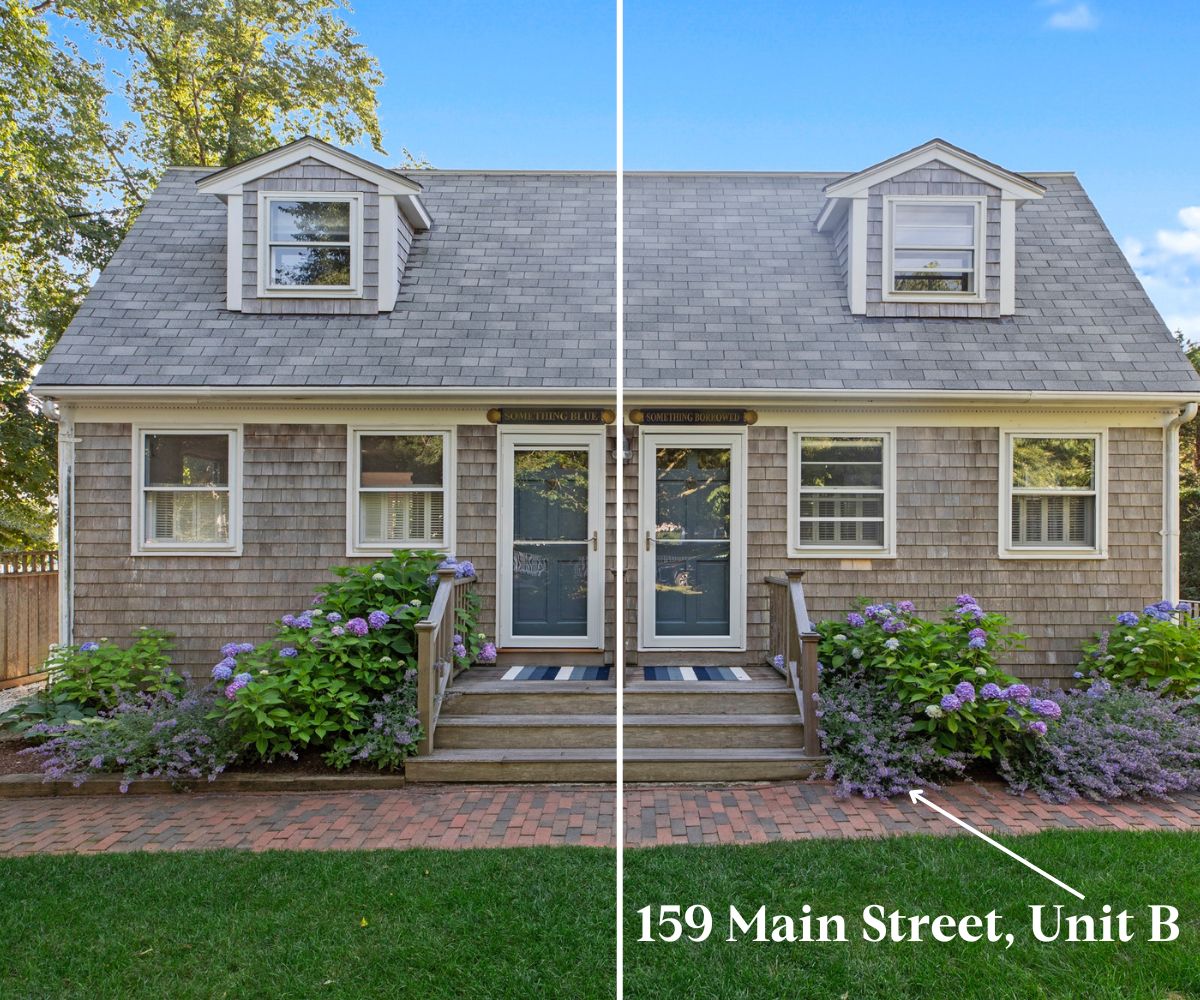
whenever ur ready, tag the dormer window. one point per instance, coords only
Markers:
(934, 249)
(311, 245)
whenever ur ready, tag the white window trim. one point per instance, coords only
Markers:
(268, 290)
(1060, 552)
(798, 551)
(139, 545)
(449, 478)
(889, 205)
(737, 439)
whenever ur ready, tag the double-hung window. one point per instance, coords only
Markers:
(402, 489)
(842, 494)
(310, 244)
(934, 249)
(185, 491)
(1053, 494)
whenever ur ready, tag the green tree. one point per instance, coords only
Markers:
(210, 83)
(1189, 496)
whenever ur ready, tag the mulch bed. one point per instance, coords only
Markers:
(10, 763)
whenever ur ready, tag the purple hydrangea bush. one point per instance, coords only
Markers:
(145, 735)
(1110, 741)
(311, 685)
(873, 747)
(1158, 647)
(943, 673)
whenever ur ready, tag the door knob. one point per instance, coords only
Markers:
(649, 539)
(595, 541)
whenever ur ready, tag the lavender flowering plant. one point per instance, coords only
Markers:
(145, 735)
(1111, 742)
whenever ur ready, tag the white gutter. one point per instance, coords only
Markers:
(1170, 529)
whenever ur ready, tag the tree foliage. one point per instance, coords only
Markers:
(210, 83)
(1189, 498)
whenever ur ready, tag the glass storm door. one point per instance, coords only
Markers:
(551, 559)
(692, 562)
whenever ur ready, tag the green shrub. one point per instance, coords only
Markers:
(94, 675)
(943, 674)
(312, 685)
(1159, 648)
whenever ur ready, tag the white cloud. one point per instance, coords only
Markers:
(1169, 267)
(1077, 17)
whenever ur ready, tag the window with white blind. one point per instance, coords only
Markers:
(934, 249)
(1053, 496)
(842, 502)
(402, 489)
(186, 483)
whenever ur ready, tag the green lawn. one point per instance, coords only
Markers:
(958, 876)
(465, 924)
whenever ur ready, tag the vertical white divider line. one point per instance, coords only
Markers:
(619, 496)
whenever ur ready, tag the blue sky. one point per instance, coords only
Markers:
(1101, 87)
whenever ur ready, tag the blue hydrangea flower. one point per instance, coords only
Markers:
(333, 617)
(951, 703)
(964, 691)
(460, 650)
(980, 643)
(303, 621)
(877, 611)
(337, 630)
(855, 620)
(377, 619)
(357, 626)
(962, 600)
(245, 647)
(464, 569)
(1017, 692)
(289, 621)
(221, 672)
(777, 661)
(1047, 707)
(229, 663)
(893, 625)
(89, 647)
(242, 679)
(906, 606)
(977, 633)
(991, 692)
(1038, 727)
(229, 649)
(892, 643)
(288, 652)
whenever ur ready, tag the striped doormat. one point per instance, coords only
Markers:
(556, 674)
(695, 674)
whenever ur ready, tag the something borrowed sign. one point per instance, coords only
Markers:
(677, 416)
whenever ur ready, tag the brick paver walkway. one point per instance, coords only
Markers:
(500, 816)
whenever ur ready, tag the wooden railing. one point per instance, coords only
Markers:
(794, 641)
(28, 614)
(435, 650)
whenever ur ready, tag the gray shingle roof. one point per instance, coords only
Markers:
(728, 285)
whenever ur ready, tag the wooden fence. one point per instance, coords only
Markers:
(28, 614)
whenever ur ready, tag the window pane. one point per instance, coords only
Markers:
(310, 221)
(935, 282)
(187, 460)
(413, 516)
(842, 519)
(1054, 463)
(400, 460)
(1052, 520)
(934, 260)
(310, 266)
(845, 462)
(190, 517)
(933, 225)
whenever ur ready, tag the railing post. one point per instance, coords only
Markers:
(808, 687)
(426, 683)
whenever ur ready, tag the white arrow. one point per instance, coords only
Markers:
(918, 795)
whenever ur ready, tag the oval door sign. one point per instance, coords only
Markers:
(677, 416)
(550, 415)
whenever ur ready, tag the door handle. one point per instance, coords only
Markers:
(595, 541)
(649, 540)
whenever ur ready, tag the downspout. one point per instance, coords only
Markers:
(62, 416)
(1170, 529)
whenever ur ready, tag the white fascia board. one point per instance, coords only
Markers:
(229, 181)
(414, 212)
(1009, 184)
(637, 397)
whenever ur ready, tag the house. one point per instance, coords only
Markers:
(933, 375)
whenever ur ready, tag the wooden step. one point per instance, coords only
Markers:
(526, 731)
(531, 698)
(709, 698)
(514, 765)
(724, 764)
(729, 730)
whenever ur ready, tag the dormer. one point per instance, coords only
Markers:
(314, 229)
(931, 233)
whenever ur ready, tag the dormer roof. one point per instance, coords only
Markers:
(1012, 186)
(407, 193)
